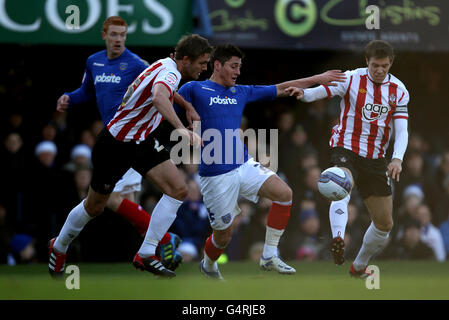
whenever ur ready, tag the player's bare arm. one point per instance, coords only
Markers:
(161, 100)
(191, 113)
(327, 78)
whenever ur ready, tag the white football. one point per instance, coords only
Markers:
(334, 183)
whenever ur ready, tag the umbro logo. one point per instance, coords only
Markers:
(339, 211)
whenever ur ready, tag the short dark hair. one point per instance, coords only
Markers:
(192, 46)
(379, 49)
(225, 52)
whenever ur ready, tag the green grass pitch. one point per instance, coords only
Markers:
(403, 280)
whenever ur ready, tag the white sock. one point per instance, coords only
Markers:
(373, 241)
(272, 237)
(338, 216)
(75, 222)
(163, 215)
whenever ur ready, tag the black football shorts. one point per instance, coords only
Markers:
(370, 175)
(111, 159)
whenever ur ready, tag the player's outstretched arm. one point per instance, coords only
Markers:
(191, 113)
(328, 78)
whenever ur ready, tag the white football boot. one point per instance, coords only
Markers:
(276, 264)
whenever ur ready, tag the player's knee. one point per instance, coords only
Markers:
(223, 238)
(284, 194)
(94, 209)
(179, 192)
(384, 225)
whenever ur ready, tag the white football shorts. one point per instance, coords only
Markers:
(221, 193)
(130, 182)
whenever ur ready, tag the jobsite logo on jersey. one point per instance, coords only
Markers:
(225, 100)
(112, 78)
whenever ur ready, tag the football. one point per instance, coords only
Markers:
(334, 183)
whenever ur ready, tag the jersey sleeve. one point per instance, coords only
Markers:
(341, 87)
(403, 97)
(260, 93)
(86, 92)
(169, 78)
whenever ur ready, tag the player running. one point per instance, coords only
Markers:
(107, 77)
(220, 103)
(374, 102)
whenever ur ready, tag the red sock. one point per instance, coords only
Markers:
(278, 215)
(139, 218)
(135, 214)
(211, 250)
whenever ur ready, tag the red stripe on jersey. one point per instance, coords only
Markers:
(344, 119)
(329, 95)
(135, 84)
(361, 96)
(400, 117)
(403, 94)
(373, 125)
(130, 124)
(146, 93)
(144, 126)
(392, 90)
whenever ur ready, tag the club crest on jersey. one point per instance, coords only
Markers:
(392, 99)
(123, 65)
(372, 112)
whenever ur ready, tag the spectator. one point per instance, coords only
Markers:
(430, 235)
(409, 246)
(22, 248)
(444, 229)
(309, 245)
(80, 156)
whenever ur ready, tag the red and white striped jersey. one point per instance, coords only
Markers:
(136, 117)
(367, 111)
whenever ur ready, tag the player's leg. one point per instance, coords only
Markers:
(275, 189)
(256, 181)
(166, 176)
(380, 210)
(105, 175)
(220, 195)
(338, 210)
(375, 190)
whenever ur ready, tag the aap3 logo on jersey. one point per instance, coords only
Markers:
(372, 112)
(225, 100)
(112, 78)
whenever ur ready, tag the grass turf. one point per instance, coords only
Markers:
(403, 280)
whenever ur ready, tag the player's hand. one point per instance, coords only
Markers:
(195, 140)
(294, 91)
(395, 169)
(192, 116)
(63, 103)
(329, 77)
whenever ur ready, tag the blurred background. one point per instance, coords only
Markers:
(45, 155)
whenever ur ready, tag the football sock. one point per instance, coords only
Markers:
(211, 252)
(277, 221)
(338, 216)
(162, 218)
(135, 214)
(373, 241)
(75, 222)
(138, 217)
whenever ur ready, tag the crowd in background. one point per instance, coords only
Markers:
(46, 170)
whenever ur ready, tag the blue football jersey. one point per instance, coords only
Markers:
(221, 110)
(107, 80)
